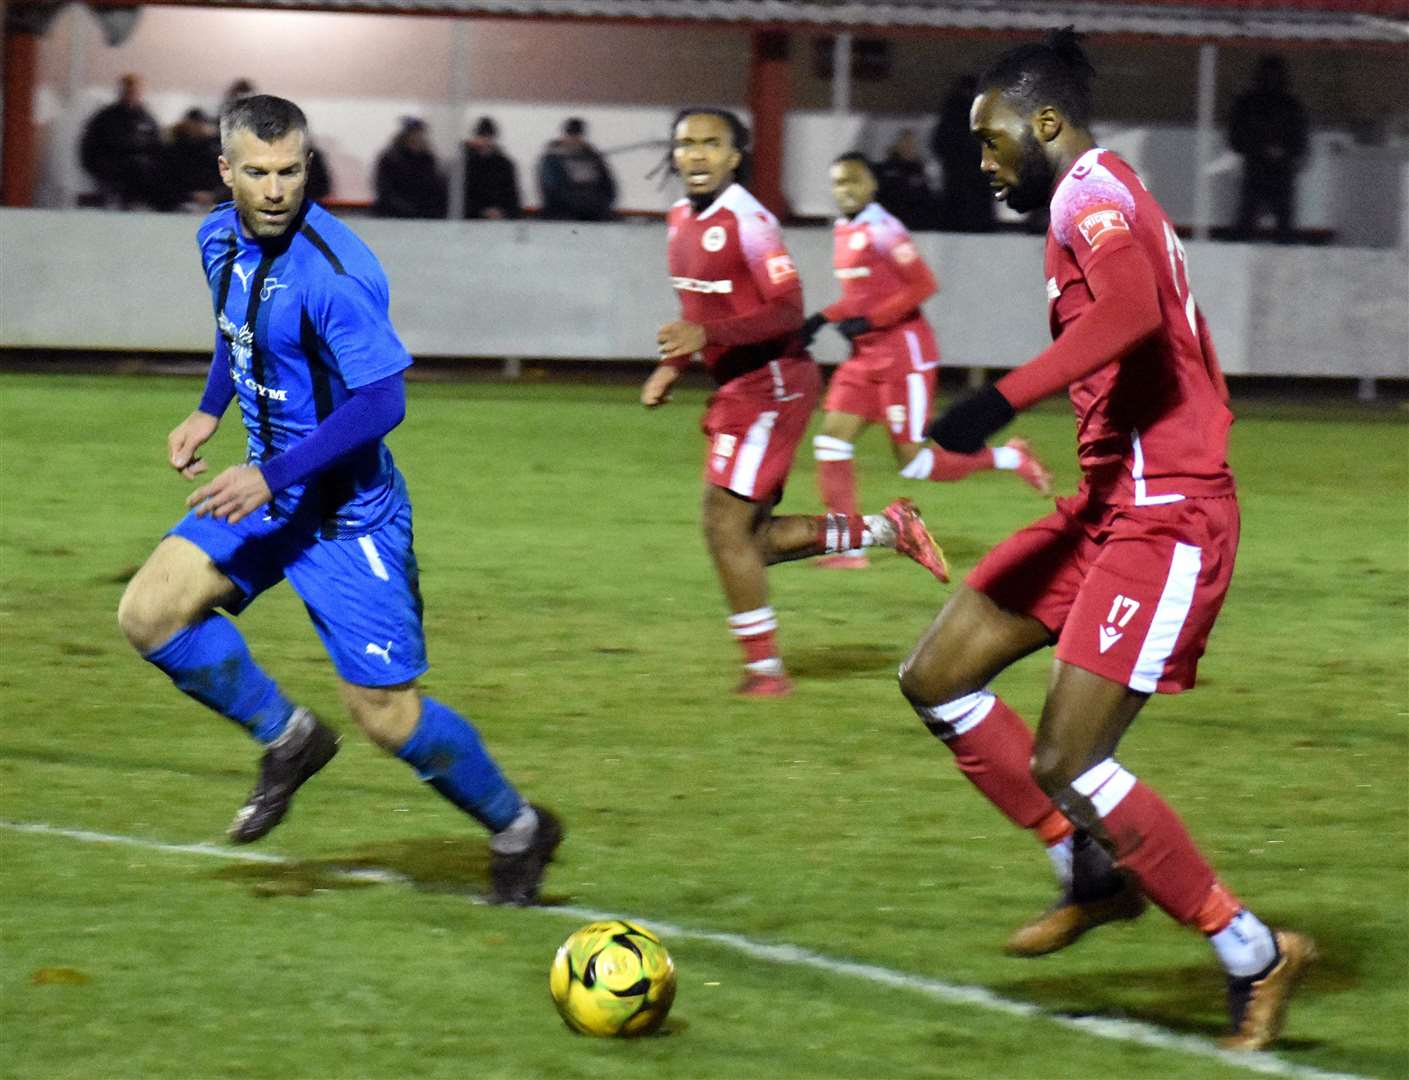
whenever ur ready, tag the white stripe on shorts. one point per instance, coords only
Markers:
(374, 560)
(919, 408)
(1168, 621)
(750, 459)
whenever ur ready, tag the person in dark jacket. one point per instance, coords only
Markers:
(491, 179)
(966, 202)
(576, 182)
(190, 162)
(1268, 127)
(902, 186)
(121, 149)
(409, 183)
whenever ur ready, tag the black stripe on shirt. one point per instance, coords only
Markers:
(311, 235)
(232, 253)
(266, 426)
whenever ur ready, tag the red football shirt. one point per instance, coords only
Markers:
(884, 279)
(1152, 427)
(729, 266)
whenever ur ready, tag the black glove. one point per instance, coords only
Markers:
(810, 328)
(851, 329)
(966, 425)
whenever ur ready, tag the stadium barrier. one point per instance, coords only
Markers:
(91, 280)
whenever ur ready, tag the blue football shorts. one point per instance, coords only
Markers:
(362, 593)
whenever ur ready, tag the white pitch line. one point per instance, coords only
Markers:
(1115, 1030)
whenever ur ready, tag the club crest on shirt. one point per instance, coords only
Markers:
(1102, 224)
(713, 238)
(780, 268)
(858, 241)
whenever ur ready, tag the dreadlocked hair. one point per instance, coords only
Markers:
(740, 133)
(1055, 71)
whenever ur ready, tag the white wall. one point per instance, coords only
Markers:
(93, 280)
(355, 75)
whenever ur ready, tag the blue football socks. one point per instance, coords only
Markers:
(446, 751)
(210, 661)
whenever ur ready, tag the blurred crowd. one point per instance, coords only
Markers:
(136, 164)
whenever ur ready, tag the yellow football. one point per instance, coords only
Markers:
(612, 978)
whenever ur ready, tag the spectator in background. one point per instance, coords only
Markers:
(902, 186)
(491, 180)
(236, 90)
(575, 180)
(1268, 127)
(408, 182)
(121, 149)
(190, 163)
(320, 180)
(966, 201)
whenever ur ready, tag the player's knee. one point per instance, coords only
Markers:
(919, 685)
(142, 620)
(387, 715)
(1054, 770)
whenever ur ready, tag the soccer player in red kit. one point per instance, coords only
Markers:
(890, 376)
(1127, 576)
(741, 308)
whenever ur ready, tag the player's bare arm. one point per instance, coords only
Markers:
(680, 339)
(656, 390)
(186, 439)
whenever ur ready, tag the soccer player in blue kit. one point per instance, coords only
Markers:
(305, 342)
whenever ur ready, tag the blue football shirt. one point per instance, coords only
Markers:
(301, 321)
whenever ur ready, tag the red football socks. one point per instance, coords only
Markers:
(950, 466)
(994, 753)
(1153, 844)
(837, 482)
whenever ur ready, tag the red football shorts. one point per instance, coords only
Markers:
(1131, 592)
(755, 424)
(887, 383)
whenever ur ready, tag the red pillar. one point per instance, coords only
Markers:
(21, 66)
(770, 86)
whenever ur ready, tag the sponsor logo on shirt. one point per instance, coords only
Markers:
(1101, 225)
(244, 275)
(1053, 290)
(845, 272)
(905, 253)
(258, 389)
(858, 241)
(239, 339)
(780, 268)
(689, 284)
(713, 238)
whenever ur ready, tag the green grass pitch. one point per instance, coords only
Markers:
(571, 611)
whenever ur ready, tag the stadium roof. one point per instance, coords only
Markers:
(1340, 21)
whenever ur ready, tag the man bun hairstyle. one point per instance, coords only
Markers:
(1054, 71)
(737, 129)
(268, 117)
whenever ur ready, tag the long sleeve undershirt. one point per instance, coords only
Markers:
(368, 414)
(1126, 312)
